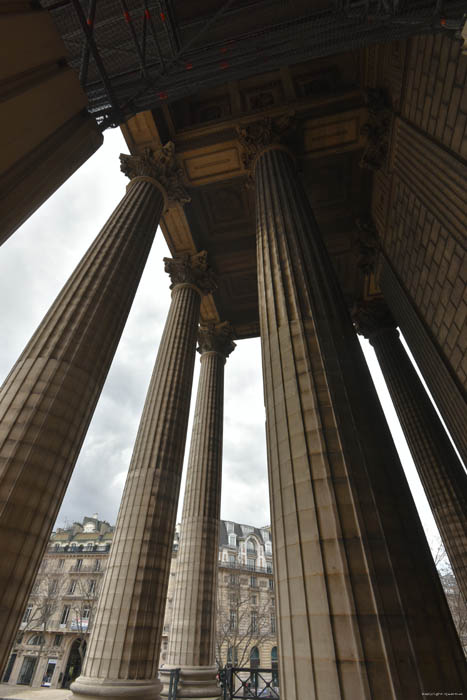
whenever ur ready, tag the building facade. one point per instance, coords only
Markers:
(54, 632)
(306, 163)
(246, 608)
(52, 637)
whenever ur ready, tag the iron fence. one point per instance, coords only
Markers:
(174, 677)
(244, 682)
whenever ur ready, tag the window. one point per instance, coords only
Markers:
(275, 674)
(53, 586)
(269, 568)
(27, 670)
(27, 614)
(233, 621)
(86, 612)
(97, 565)
(57, 640)
(49, 672)
(273, 624)
(92, 586)
(60, 563)
(254, 622)
(232, 558)
(232, 656)
(254, 599)
(254, 657)
(57, 546)
(271, 584)
(36, 639)
(251, 547)
(9, 668)
(65, 613)
(232, 540)
(72, 587)
(232, 579)
(253, 582)
(79, 564)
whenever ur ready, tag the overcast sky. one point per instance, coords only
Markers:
(34, 265)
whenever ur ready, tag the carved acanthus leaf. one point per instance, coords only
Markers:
(377, 130)
(161, 166)
(257, 136)
(366, 245)
(372, 317)
(191, 269)
(216, 337)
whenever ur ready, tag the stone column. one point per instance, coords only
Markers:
(443, 385)
(440, 470)
(193, 628)
(361, 613)
(48, 399)
(123, 654)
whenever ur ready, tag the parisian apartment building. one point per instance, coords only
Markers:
(52, 638)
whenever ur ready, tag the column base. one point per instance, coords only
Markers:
(106, 689)
(198, 682)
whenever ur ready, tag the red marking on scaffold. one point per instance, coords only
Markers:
(442, 21)
(162, 16)
(146, 14)
(188, 66)
(224, 49)
(127, 17)
(162, 95)
(224, 65)
(89, 22)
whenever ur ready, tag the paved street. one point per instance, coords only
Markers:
(16, 692)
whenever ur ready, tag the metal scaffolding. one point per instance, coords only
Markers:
(133, 55)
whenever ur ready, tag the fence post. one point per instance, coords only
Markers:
(176, 674)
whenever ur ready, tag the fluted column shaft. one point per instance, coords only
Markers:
(123, 654)
(48, 399)
(441, 473)
(192, 632)
(360, 610)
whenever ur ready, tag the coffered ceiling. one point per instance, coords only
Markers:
(328, 105)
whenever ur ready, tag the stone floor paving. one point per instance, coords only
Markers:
(15, 692)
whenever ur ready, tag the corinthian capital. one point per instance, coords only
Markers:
(377, 130)
(263, 134)
(367, 245)
(161, 166)
(193, 270)
(373, 317)
(216, 337)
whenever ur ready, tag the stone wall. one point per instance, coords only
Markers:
(419, 204)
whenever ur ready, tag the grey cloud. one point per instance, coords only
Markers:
(34, 265)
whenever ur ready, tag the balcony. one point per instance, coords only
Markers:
(67, 549)
(246, 567)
